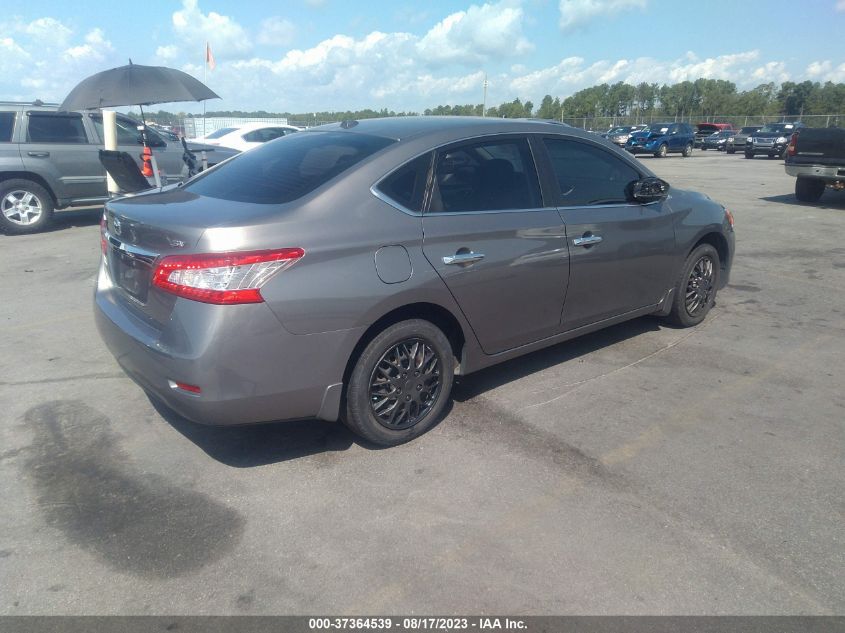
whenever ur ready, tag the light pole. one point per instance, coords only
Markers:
(484, 102)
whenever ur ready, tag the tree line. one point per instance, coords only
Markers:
(702, 97)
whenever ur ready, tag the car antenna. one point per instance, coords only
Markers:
(348, 123)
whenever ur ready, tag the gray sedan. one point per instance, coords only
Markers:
(352, 270)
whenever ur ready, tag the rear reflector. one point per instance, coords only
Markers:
(730, 217)
(184, 386)
(222, 278)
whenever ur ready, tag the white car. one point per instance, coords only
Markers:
(248, 135)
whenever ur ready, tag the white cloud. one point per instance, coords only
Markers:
(826, 71)
(49, 30)
(276, 31)
(96, 47)
(573, 73)
(194, 28)
(576, 13)
(476, 35)
(167, 54)
(840, 6)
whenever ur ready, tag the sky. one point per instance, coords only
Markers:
(326, 55)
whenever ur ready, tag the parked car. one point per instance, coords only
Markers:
(717, 140)
(248, 135)
(352, 270)
(49, 160)
(771, 140)
(738, 140)
(703, 130)
(660, 139)
(620, 135)
(816, 157)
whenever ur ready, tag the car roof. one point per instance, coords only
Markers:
(257, 125)
(406, 127)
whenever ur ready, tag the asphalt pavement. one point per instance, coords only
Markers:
(639, 470)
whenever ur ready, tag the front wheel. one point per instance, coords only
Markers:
(731, 151)
(749, 154)
(25, 206)
(809, 189)
(661, 151)
(687, 151)
(695, 290)
(400, 383)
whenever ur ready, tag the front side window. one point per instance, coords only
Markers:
(588, 175)
(55, 128)
(406, 185)
(7, 126)
(275, 173)
(486, 176)
(127, 132)
(263, 135)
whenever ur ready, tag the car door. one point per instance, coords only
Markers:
(621, 252)
(57, 144)
(500, 252)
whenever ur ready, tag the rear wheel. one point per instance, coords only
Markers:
(687, 151)
(695, 290)
(400, 383)
(25, 206)
(809, 189)
(662, 151)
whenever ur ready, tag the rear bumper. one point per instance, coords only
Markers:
(819, 172)
(249, 368)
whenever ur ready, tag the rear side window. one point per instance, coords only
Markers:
(7, 125)
(406, 185)
(55, 128)
(489, 176)
(223, 131)
(588, 175)
(275, 173)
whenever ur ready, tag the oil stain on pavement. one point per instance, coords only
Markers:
(137, 523)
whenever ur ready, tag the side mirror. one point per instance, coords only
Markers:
(647, 190)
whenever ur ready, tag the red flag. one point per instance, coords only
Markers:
(209, 57)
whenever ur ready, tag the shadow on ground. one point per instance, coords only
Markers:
(87, 216)
(830, 200)
(261, 444)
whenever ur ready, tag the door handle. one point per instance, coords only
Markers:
(463, 258)
(39, 154)
(587, 240)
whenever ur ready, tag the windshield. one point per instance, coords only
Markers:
(773, 128)
(223, 131)
(659, 128)
(288, 168)
(749, 130)
(619, 130)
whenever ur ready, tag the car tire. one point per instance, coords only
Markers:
(749, 154)
(809, 189)
(662, 151)
(408, 394)
(703, 149)
(35, 211)
(730, 151)
(695, 290)
(687, 151)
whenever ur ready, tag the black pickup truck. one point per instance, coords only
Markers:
(816, 157)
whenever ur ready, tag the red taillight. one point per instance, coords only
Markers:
(790, 150)
(222, 278)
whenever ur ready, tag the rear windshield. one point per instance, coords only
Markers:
(287, 169)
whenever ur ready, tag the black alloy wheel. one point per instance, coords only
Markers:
(405, 384)
(700, 286)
